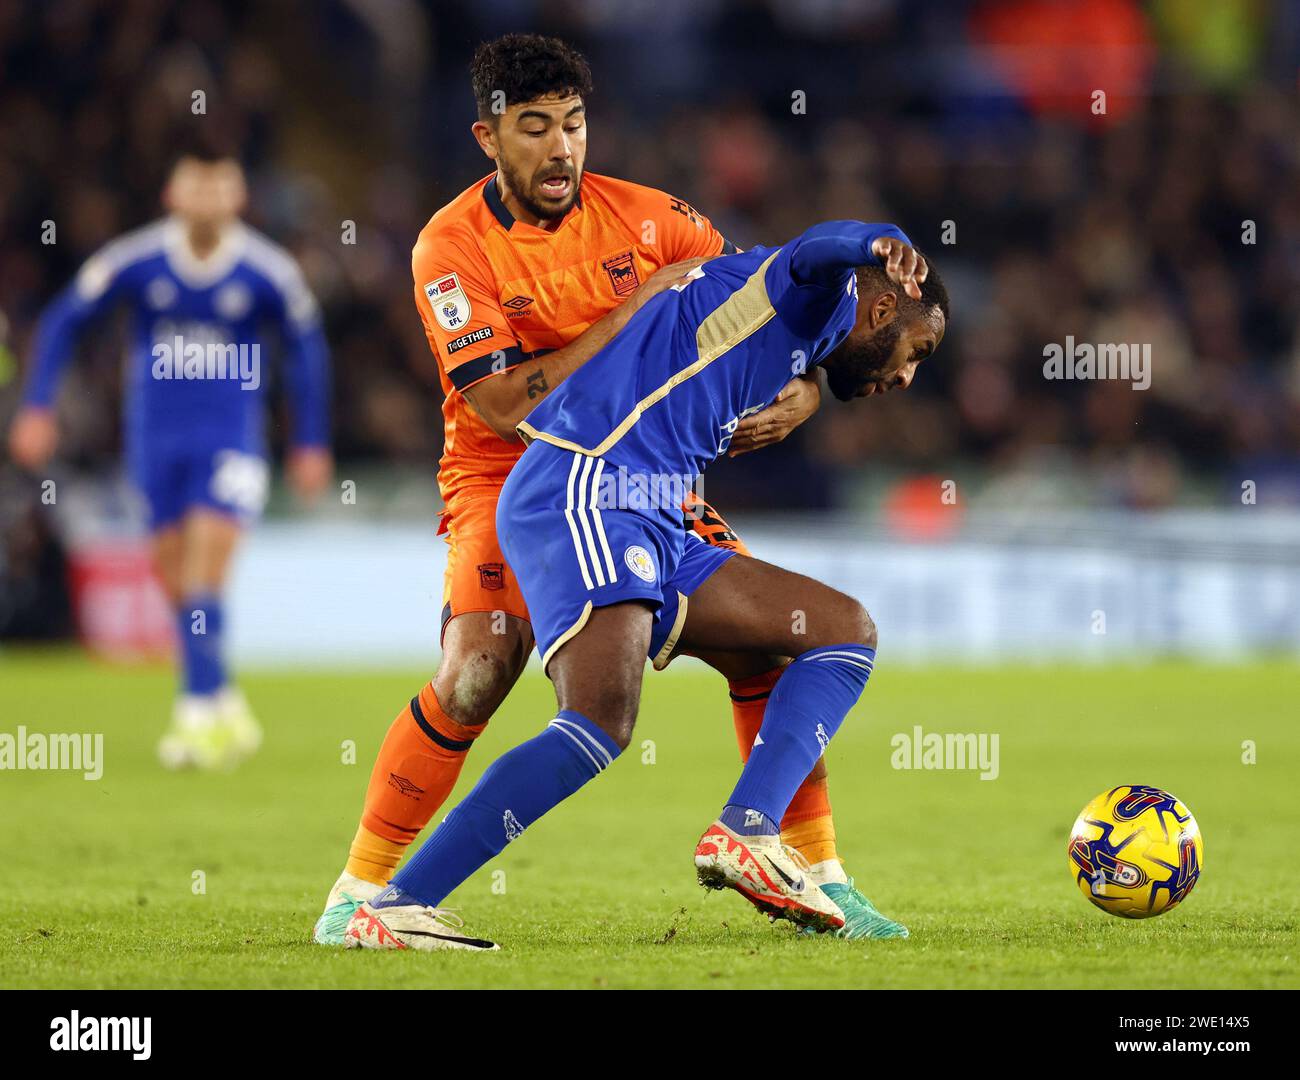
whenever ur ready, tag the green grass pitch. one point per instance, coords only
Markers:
(99, 876)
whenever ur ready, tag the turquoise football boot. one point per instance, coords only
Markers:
(348, 894)
(861, 919)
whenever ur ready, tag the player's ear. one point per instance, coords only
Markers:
(884, 309)
(170, 194)
(241, 192)
(486, 137)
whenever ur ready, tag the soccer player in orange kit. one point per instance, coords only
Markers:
(519, 280)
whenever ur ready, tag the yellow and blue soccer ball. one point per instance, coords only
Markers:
(1136, 851)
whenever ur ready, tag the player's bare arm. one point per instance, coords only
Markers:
(505, 399)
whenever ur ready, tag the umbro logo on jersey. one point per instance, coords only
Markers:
(518, 306)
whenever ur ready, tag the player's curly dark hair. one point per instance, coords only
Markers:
(933, 291)
(526, 67)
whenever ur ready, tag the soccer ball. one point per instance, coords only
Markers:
(1136, 851)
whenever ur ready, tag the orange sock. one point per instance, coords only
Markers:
(808, 825)
(418, 765)
(372, 858)
(748, 703)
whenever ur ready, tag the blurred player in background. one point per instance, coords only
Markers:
(519, 280)
(202, 287)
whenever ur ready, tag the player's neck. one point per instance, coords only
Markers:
(203, 239)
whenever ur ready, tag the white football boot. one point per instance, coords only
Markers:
(396, 920)
(197, 739)
(772, 877)
(234, 714)
(348, 894)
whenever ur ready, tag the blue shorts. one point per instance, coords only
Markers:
(176, 478)
(572, 552)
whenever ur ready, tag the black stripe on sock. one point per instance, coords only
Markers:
(742, 698)
(433, 733)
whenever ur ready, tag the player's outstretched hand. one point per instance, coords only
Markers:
(33, 437)
(665, 278)
(903, 265)
(310, 469)
(797, 401)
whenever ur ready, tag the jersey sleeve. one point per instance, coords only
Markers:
(461, 311)
(823, 254)
(307, 365)
(688, 234)
(815, 269)
(98, 285)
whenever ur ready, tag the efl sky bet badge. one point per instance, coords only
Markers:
(449, 302)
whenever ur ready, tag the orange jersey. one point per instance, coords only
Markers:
(493, 291)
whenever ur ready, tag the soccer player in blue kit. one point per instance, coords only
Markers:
(607, 582)
(202, 288)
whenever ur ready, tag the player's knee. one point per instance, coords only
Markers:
(471, 687)
(171, 585)
(859, 626)
(612, 709)
(621, 732)
(617, 715)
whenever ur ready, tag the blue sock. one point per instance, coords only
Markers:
(199, 622)
(517, 789)
(807, 706)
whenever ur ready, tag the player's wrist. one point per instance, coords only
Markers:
(814, 378)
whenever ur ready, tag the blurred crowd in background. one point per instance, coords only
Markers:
(1170, 218)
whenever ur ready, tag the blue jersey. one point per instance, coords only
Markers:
(199, 350)
(667, 393)
(663, 399)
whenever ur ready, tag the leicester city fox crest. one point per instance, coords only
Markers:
(638, 560)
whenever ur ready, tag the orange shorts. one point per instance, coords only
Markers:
(708, 523)
(478, 578)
